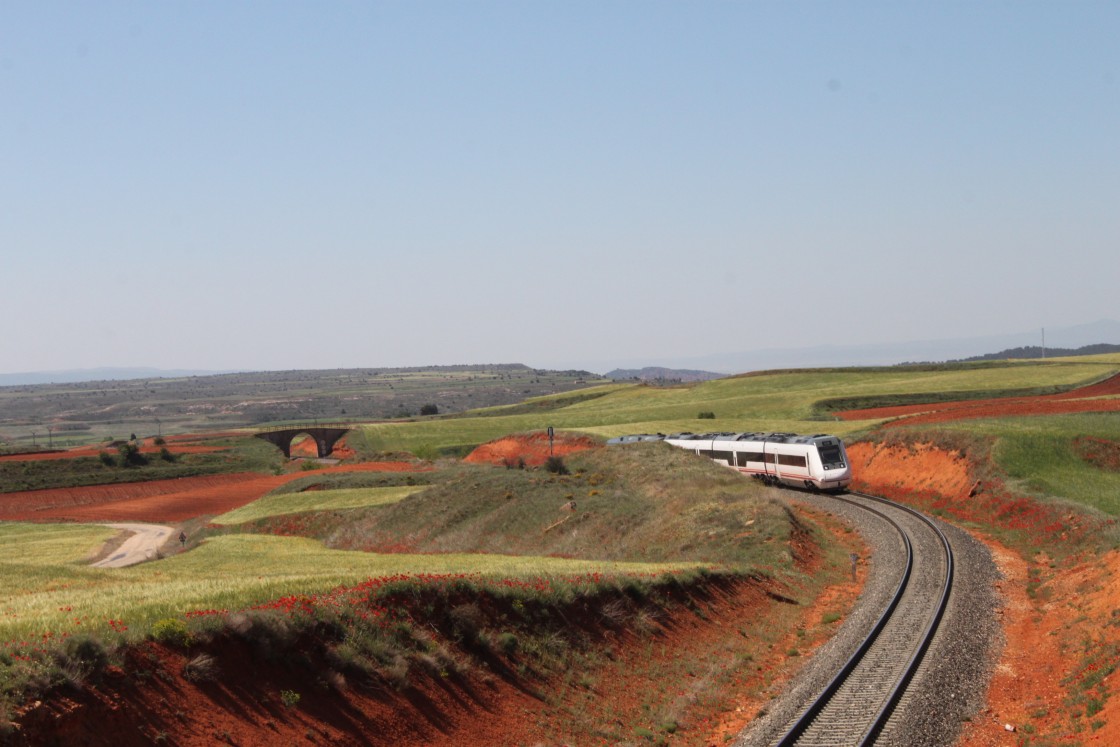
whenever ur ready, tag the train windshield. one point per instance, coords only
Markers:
(830, 453)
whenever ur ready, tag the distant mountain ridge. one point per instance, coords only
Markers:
(1037, 351)
(657, 373)
(1103, 331)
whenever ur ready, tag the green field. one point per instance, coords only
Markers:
(48, 588)
(317, 500)
(783, 401)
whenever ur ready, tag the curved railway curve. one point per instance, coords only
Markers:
(863, 692)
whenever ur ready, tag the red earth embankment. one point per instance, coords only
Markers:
(533, 449)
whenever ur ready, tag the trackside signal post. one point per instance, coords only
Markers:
(551, 433)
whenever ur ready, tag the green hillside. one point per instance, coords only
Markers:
(778, 401)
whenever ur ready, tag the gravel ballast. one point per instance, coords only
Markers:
(949, 687)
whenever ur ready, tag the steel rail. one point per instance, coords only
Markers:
(930, 631)
(896, 692)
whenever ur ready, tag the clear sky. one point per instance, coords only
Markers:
(274, 185)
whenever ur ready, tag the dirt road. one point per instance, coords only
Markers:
(142, 545)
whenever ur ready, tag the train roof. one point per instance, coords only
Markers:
(775, 437)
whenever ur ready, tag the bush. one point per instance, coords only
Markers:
(201, 668)
(85, 651)
(429, 410)
(172, 632)
(708, 415)
(166, 455)
(556, 466)
(507, 644)
(107, 459)
(131, 456)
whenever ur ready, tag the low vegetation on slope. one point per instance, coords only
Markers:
(642, 502)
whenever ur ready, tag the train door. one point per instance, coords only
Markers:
(769, 464)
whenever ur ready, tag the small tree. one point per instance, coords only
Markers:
(130, 455)
(429, 410)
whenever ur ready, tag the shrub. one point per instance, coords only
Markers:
(555, 465)
(107, 459)
(172, 632)
(507, 643)
(131, 456)
(466, 621)
(201, 668)
(166, 455)
(159, 441)
(429, 410)
(707, 415)
(289, 698)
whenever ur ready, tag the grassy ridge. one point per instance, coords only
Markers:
(642, 502)
(317, 500)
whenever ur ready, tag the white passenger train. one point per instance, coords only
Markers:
(816, 462)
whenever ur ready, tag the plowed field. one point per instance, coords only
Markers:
(159, 501)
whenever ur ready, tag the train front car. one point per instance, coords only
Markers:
(829, 463)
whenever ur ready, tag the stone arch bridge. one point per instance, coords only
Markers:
(326, 435)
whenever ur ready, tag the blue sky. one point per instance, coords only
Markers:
(315, 185)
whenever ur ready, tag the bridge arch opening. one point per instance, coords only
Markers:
(304, 445)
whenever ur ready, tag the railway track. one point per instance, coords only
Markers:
(856, 706)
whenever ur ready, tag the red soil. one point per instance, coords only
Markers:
(533, 448)
(159, 501)
(1085, 399)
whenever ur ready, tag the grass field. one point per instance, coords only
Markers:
(1040, 457)
(45, 586)
(316, 500)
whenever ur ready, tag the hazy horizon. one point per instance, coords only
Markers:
(273, 186)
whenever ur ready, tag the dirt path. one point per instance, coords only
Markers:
(143, 545)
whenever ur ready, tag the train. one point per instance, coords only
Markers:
(817, 462)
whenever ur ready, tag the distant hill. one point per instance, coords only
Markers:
(1037, 351)
(77, 375)
(654, 373)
